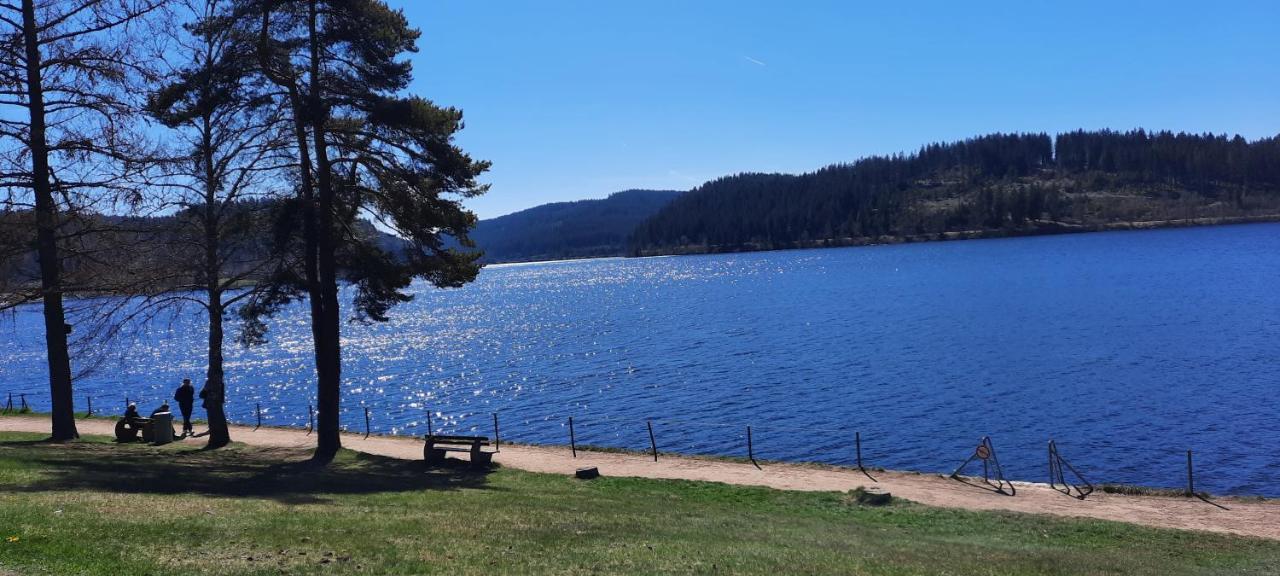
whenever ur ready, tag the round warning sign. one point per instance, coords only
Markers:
(982, 452)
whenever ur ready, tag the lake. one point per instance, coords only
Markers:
(1128, 348)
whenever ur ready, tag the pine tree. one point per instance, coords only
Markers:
(364, 148)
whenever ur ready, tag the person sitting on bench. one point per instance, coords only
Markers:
(131, 414)
(127, 427)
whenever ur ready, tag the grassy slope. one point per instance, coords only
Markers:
(99, 508)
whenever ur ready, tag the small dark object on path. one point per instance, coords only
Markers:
(587, 473)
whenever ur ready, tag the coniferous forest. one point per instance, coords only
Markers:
(994, 185)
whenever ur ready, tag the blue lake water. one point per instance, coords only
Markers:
(1128, 348)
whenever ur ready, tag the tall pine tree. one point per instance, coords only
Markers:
(364, 148)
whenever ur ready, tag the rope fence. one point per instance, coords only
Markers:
(654, 437)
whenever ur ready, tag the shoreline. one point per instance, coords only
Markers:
(1231, 515)
(1045, 228)
(1042, 228)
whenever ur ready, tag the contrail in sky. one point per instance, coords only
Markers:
(754, 61)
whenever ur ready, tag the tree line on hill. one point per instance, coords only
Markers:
(989, 185)
(561, 230)
(249, 143)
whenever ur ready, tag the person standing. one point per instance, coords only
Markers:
(186, 397)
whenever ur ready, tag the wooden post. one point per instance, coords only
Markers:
(1052, 478)
(259, 412)
(652, 443)
(429, 432)
(751, 453)
(366, 421)
(90, 412)
(23, 397)
(9, 405)
(311, 419)
(1191, 480)
(857, 442)
(126, 401)
(497, 440)
(573, 442)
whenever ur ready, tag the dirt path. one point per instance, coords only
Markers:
(1228, 515)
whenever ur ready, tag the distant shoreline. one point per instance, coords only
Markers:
(1040, 228)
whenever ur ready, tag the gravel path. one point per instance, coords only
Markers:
(1248, 517)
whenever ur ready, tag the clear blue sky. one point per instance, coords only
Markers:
(578, 99)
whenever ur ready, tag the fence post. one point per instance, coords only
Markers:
(1191, 481)
(24, 402)
(429, 432)
(90, 411)
(9, 405)
(857, 443)
(653, 444)
(497, 440)
(311, 419)
(751, 453)
(1052, 477)
(366, 421)
(126, 401)
(259, 412)
(573, 442)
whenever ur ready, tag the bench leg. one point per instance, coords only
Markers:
(433, 455)
(479, 458)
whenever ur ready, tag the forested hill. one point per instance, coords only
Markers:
(586, 228)
(1000, 184)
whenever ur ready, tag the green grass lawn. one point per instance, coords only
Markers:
(94, 507)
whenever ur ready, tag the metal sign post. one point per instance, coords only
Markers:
(986, 452)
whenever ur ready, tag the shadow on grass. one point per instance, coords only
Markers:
(282, 474)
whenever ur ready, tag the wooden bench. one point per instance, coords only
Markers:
(437, 446)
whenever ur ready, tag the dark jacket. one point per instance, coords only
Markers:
(186, 395)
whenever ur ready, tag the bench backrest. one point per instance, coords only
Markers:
(435, 439)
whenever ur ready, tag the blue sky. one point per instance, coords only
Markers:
(578, 99)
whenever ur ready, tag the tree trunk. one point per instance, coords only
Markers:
(215, 378)
(215, 400)
(328, 343)
(55, 325)
(326, 446)
(324, 325)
